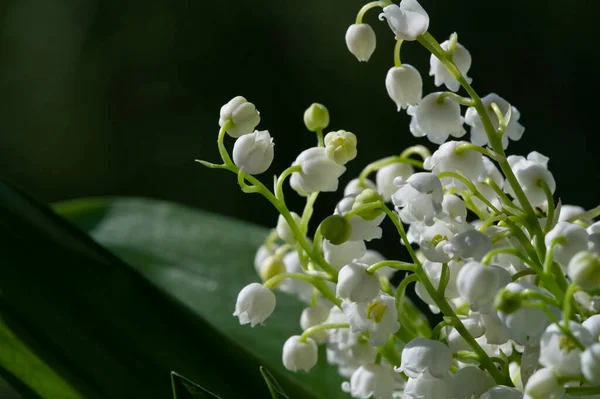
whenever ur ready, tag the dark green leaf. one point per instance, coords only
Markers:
(274, 387)
(186, 389)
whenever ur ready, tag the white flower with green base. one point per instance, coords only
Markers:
(507, 270)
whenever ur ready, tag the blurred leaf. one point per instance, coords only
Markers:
(113, 331)
(274, 387)
(186, 389)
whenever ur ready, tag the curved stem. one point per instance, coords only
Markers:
(523, 273)
(281, 179)
(397, 62)
(468, 102)
(394, 264)
(222, 150)
(567, 305)
(369, 6)
(320, 141)
(330, 326)
(505, 250)
(307, 212)
(550, 199)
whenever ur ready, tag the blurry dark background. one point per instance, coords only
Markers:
(120, 97)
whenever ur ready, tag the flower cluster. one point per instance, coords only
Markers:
(514, 274)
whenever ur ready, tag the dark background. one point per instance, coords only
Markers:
(120, 97)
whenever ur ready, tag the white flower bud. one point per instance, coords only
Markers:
(529, 172)
(559, 352)
(590, 364)
(253, 153)
(361, 41)
(584, 270)
(408, 20)
(543, 384)
(343, 254)
(262, 254)
(354, 188)
(386, 175)
(379, 317)
(404, 85)
(419, 197)
(340, 146)
(478, 284)
(242, 114)
(362, 229)
(355, 284)
(371, 380)
(592, 324)
(254, 304)
(314, 316)
(270, 267)
(436, 119)
(502, 392)
(426, 386)
(470, 244)
(526, 324)
(448, 158)
(455, 208)
(514, 129)
(316, 117)
(284, 231)
(570, 211)
(470, 382)
(461, 58)
(298, 355)
(422, 355)
(574, 240)
(319, 173)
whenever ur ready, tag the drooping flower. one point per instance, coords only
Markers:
(319, 172)
(371, 380)
(355, 284)
(426, 356)
(408, 20)
(379, 317)
(461, 58)
(253, 153)
(436, 118)
(242, 114)
(298, 354)
(361, 41)
(386, 175)
(254, 304)
(418, 198)
(404, 85)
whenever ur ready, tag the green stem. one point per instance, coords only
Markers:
(398, 224)
(375, 166)
(329, 326)
(394, 264)
(436, 331)
(320, 141)
(220, 143)
(505, 250)
(550, 199)
(369, 6)
(583, 391)
(522, 273)
(468, 102)
(591, 214)
(567, 305)
(389, 353)
(285, 174)
(397, 62)
(307, 212)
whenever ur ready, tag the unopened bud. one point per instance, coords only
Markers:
(361, 41)
(368, 196)
(507, 301)
(271, 267)
(316, 117)
(336, 229)
(340, 146)
(584, 270)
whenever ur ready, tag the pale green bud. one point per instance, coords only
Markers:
(316, 117)
(340, 146)
(336, 229)
(508, 301)
(584, 270)
(368, 196)
(271, 267)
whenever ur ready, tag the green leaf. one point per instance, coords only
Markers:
(186, 389)
(110, 330)
(274, 387)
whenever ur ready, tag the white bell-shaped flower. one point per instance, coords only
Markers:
(433, 240)
(502, 392)
(590, 364)
(254, 304)
(478, 284)
(299, 355)
(354, 187)
(529, 172)
(262, 253)
(342, 338)
(313, 316)
(422, 355)
(350, 358)
(584, 270)
(514, 129)
(355, 284)
(284, 231)
(361, 41)
(343, 254)
(386, 175)
(543, 384)
(454, 207)
(242, 114)
(437, 119)
(371, 381)
(319, 173)
(571, 211)
(473, 323)
(426, 386)
(529, 362)
(592, 324)
(470, 382)
(362, 229)
(408, 20)
(404, 85)
(419, 198)
(300, 288)
(574, 239)
(253, 153)
(448, 158)
(495, 332)
(379, 317)
(559, 352)
(461, 58)
(470, 244)
(433, 270)
(526, 324)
